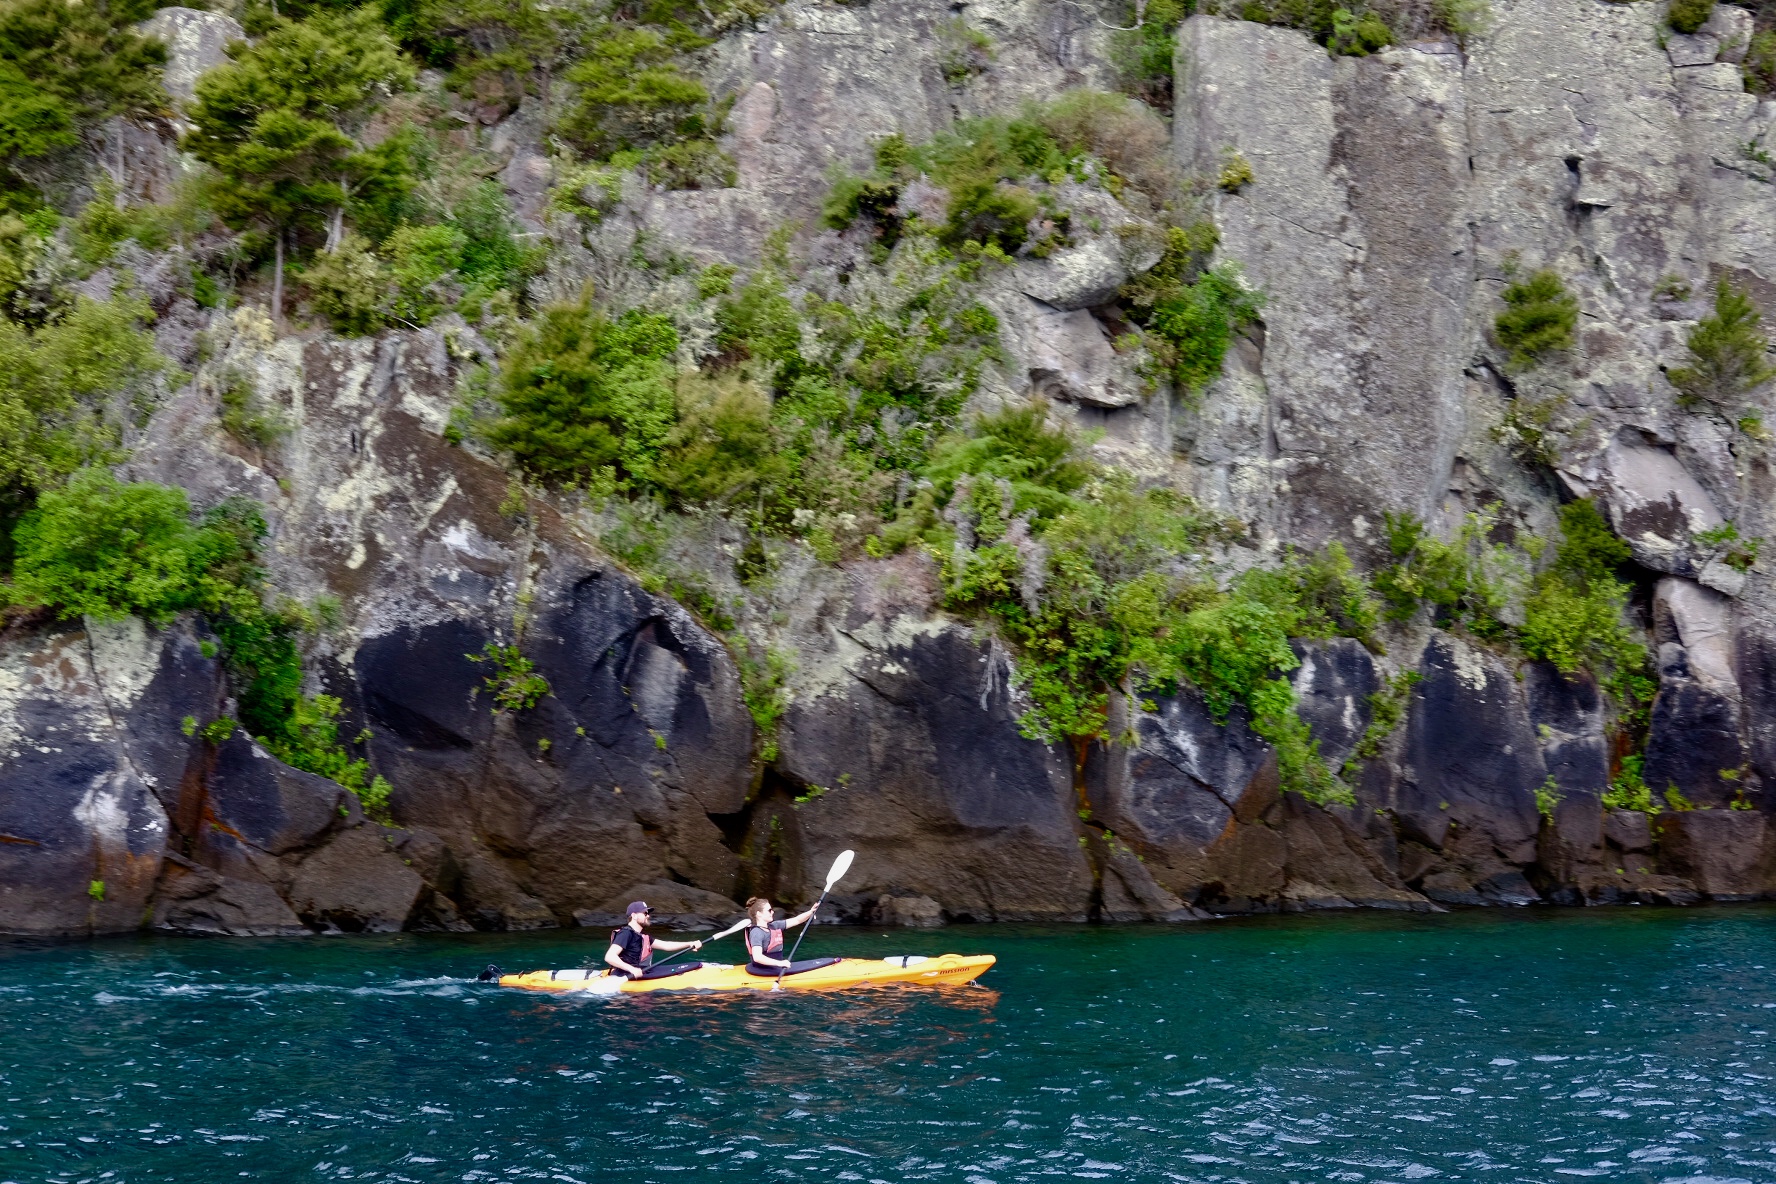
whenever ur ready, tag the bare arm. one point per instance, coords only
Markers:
(798, 919)
(678, 945)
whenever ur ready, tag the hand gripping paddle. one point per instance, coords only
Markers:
(840, 866)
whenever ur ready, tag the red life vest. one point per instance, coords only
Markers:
(647, 946)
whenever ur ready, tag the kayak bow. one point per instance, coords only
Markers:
(944, 970)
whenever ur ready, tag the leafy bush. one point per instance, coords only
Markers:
(349, 286)
(1628, 790)
(1461, 580)
(1358, 35)
(281, 121)
(1538, 320)
(1688, 16)
(631, 93)
(1463, 19)
(1759, 66)
(585, 399)
(67, 390)
(514, 683)
(963, 51)
(102, 549)
(1142, 51)
(990, 213)
(1727, 352)
(65, 67)
(1199, 320)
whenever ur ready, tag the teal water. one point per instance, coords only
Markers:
(1624, 1045)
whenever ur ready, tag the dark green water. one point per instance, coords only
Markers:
(1626, 1045)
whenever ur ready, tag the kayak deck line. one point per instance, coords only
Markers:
(942, 970)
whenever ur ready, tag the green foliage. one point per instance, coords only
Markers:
(1143, 47)
(244, 417)
(1548, 796)
(1539, 318)
(280, 121)
(65, 67)
(963, 51)
(104, 224)
(1530, 428)
(585, 399)
(1463, 19)
(1463, 581)
(1727, 352)
(349, 286)
(96, 890)
(1199, 321)
(375, 800)
(1675, 799)
(1236, 172)
(1735, 551)
(67, 391)
(636, 106)
(1573, 616)
(1387, 710)
(101, 549)
(1627, 789)
(1358, 34)
(1759, 67)
(764, 681)
(514, 683)
(1688, 16)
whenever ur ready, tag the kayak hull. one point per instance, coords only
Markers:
(946, 970)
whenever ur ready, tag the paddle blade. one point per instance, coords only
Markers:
(840, 866)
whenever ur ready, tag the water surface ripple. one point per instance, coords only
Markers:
(1624, 1045)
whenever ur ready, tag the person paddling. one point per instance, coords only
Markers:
(631, 952)
(764, 942)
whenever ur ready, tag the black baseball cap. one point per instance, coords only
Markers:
(637, 906)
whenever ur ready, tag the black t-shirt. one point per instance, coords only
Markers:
(765, 939)
(637, 948)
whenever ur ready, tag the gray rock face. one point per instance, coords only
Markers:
(196, 41)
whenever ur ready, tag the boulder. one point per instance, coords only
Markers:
(82, 835)
(913, 735)
(907, 912)
(193, 899)
(356, 883)
(1727, 854)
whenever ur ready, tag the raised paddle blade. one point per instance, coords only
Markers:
(840, 866)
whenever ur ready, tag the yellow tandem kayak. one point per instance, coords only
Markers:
(943, 970)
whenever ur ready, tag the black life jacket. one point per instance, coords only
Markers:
(647, 947)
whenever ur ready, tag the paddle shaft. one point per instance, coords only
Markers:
(735, 928)
(812, 913)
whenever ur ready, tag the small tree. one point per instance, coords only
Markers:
(67, 66)
(1728, 352)
(282, 123)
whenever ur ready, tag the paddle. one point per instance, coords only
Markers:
(736, 927)
(840, 866)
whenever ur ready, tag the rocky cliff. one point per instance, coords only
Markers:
(1391, 199)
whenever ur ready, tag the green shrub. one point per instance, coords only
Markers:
(631, 93)
(1759, 67)
(764, 686)
(1358, 35)
(67, 391)
(1462, 580)
(104, 224)
(1143, 48)
(1199, 320)
(1733, 549)
(420, 258)
(514, 683)
(1627, 789)
(584, 398)
(1728, 352)
(990, 213)
(1688, 16)
(1463, 19)
(350, 287)
(105, 550)
(66, 67)
(1323, 594)
(1539, 318)
(963, 51)
(244, 417)
(723, 450)
(1387, 710)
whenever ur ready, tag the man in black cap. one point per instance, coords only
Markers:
(631, 952)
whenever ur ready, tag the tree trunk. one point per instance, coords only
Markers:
(335, 229)
(277, 282)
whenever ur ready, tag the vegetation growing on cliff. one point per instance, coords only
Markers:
(1728, 353)
(1538, 320)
